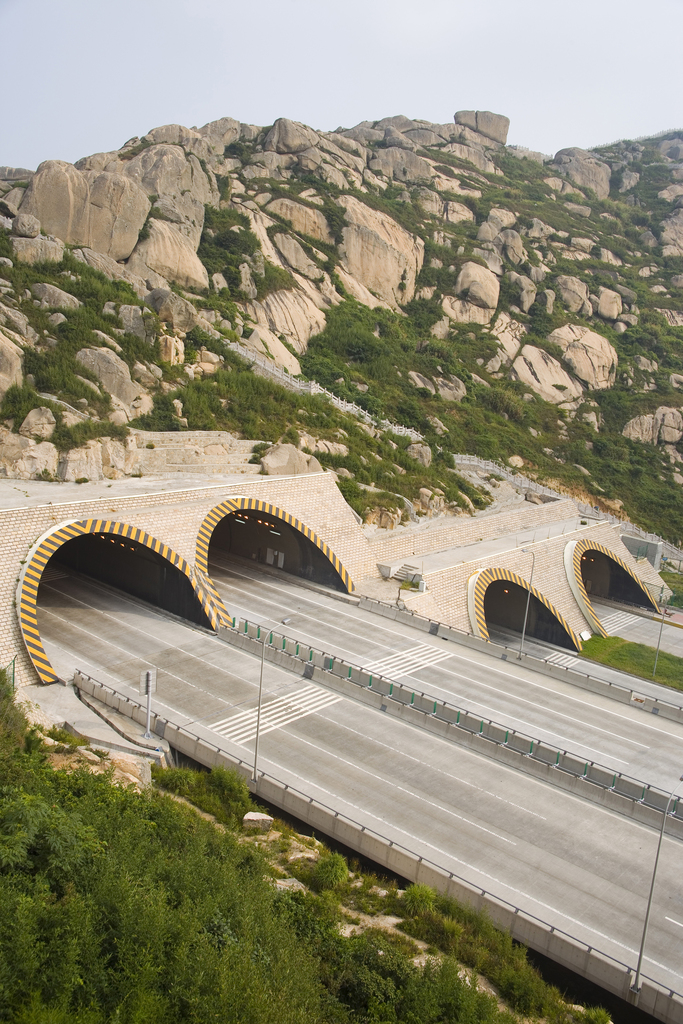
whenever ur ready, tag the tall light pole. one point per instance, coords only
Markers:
(527, 551)
(636, 984)
(258, 713)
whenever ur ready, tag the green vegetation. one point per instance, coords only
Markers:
(635, 658)
(119, 907)
(674, 580)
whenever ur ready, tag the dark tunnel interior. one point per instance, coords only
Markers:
(603, 577)
(133, 569)
(505, 606)
(271, 541)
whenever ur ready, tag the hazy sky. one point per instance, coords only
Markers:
(80, 76)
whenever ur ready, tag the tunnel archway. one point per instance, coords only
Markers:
(260, 531)
(120, 555)
(593, 570)
(498, 597)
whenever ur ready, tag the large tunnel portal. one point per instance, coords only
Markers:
(604, 577)
(265, 538)
(505, 606)
(132, 568)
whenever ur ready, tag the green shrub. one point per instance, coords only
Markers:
(331, 871)
(419, 899)
(221, 792)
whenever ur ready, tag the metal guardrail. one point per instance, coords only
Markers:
(460, 718)
(128, 706)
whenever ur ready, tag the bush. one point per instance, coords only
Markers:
(330, 872)
(221, 792)
(419, 899)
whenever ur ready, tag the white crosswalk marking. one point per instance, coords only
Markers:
(565, 660)
(404, 663)
(617, 623)
(241, 728)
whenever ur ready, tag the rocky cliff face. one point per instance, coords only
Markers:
(387, 260)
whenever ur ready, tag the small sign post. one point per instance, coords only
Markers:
(148, 686)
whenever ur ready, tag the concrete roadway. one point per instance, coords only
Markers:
(568, 861)
(619, 736)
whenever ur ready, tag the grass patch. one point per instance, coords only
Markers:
(220, 792)
(639, 659)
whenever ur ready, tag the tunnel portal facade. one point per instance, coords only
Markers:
(498, 597)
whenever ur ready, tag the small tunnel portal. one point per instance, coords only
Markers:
(132, 568)
(505, 606)
(603, 577)
(269, 540)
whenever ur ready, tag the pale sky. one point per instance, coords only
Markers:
(81, 76)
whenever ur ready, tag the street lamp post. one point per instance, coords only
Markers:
(661, 627)
(635, 988)
(527, 551)
(258, 713)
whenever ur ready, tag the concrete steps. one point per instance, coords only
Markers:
(194, 451)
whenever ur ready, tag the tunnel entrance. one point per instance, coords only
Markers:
(265, 538)
(132, 568)
(505, 606)
(603, 577)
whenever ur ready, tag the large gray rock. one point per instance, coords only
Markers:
(25, 226)
(296, 257)
(379, 252)
(37, 250)
(102, 211)
(170, 253)
(493, 126)
(22, 459)
(451, 390)
(304, 220)
(526, 289)
(132, 399)
(133, 321)
(592, 358)
(287, 460)
(479, 285)
(402, 164)
(11, 364)
(574, 293)
(52, 297)
(421, 452)
(672, 234)
(81, 463)
(665, 426)
(584, 170)
(173, 309)
(544, 375)
(40, 423)
(609, 304)
(290, 137)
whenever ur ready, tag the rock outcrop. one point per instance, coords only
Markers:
(544, 375)
(130, 399)
(491, 126)
(287, 460)
(584, 170)
(379, 252)
(665, 426)
(592, 357)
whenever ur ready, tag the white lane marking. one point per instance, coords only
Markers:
(619, 622)
(483, 666)
(673, 921)
(565, 660)
(479, 704)
(409, 792)
(241, 728)
(439, 771)
(484, 874)
(404, 663)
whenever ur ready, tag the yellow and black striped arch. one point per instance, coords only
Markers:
(27, 591)
(479, 584)
(245, 504)
(580, 549)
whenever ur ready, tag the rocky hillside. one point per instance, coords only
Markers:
(493, 300)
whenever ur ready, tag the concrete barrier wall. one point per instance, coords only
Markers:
(602, 970)
(660, 706)
(550, 764)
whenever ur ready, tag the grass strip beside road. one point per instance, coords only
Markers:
(638, 659)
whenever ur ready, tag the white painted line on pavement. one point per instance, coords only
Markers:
(674, 922)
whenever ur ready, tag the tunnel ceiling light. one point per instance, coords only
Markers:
(276, 533)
